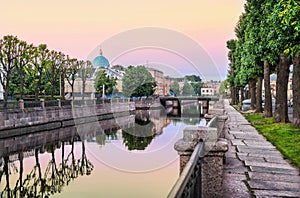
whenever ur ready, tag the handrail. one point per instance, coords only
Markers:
(190, 177)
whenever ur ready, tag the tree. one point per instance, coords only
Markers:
(23, 58)
(9, 51)
(102, 79)
(85, 72)
(137, 82)
(175, 87)
(72, 68)
(39, 62)
(288, 12)
(196, 83)
(187, 88)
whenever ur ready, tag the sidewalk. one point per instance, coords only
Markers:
(254, 167)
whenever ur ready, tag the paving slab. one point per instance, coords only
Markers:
(254, 162)
(274, 177)
(234, 165)
(235, 186)
(273, 170)
(271, 185)
(275, 193)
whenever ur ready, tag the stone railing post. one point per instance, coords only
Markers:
(59, 103)
(42, 103)
(21, 104)
(221, 123)
(212, 170)
(213, 155)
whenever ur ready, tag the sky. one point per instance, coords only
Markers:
(79, 28)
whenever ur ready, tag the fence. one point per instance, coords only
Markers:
(189, 183)
(202, 151)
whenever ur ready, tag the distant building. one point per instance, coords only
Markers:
(162, 82)
(99, 63)
(210, 88)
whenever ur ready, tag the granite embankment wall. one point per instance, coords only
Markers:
(40, 119)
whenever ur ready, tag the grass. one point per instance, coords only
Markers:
(285, 137)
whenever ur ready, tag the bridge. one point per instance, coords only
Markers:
(177, 102)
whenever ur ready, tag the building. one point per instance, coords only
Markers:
(162, 82)
(210, 88)
(100, 62)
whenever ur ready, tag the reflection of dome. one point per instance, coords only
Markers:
(100, 61)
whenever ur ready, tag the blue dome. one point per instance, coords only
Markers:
(100, 61)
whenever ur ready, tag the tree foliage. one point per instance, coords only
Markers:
(102, 79)
(138, 81)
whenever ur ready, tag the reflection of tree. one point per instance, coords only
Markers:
(55, 177)
(139, 136)
(85, 166)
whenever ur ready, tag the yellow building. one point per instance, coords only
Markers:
(162, 82)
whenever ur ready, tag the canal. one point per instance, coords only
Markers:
(128, 156)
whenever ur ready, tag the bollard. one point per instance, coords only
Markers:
(21, 104)
(59, 103)
(42, 103)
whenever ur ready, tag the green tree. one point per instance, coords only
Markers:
(138, 81)
(102, 79)
(86, 71)
(73, 66)
(39, 63)
(187, 88)
(175, 87)
(9, 52)
(196, 83)
(53, 71)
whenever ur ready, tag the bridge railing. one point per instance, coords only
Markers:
(189, 183)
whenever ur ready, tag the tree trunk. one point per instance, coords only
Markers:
(242, 94)
(296, 91)
(281, 107)
(237, 96)
(21, 82)
(259, 95)
(233, 88)
(52, 89)
(6, 90)
(62, 87)
(268, 98)
(233, 95)
(252, 86)
(37, 88)
(83, 89)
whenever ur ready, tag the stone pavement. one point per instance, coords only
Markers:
(253, 166)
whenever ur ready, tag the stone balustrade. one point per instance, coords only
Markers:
(215, 147)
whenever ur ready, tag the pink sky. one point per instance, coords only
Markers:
(78, 27)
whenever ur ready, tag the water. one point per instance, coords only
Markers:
(134, 157)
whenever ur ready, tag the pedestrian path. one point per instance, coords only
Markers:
(253, 166)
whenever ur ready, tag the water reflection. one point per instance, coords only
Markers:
(43, 180)
(46, 163)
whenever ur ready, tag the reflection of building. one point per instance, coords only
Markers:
(163, 82)
(210, 88)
